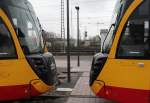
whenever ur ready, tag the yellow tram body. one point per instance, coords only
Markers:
(20, 77)
(123, 75)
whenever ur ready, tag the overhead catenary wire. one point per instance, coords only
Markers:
(55, 21)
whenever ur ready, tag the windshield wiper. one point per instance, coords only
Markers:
(44, 40)
(112, 25)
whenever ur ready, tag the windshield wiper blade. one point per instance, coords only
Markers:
(112, 25)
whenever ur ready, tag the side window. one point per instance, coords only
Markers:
(135, 38)
(7, 49)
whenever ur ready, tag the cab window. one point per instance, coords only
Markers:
(7, 49)
(135, 38)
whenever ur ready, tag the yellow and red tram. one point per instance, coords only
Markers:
(121, 72)
(26, 68)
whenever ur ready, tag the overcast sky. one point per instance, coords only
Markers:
(94, 15)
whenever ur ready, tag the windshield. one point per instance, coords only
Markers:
(27, 28)
(117, 14)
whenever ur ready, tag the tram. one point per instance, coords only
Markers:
(121, 72)
(26, 68)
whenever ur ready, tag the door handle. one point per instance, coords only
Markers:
(141, 65)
